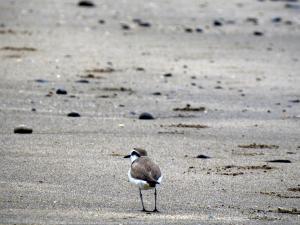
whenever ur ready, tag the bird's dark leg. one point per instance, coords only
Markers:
(155, 198)
(141, 196)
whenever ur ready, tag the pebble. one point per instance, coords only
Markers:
(199, 30)
(73, 114)
(146, 116)
(82, 81)
(61, 91)
(258, 33)
(168, 75)
(41, 81)
(125, 26)
(203, 157)
(217, 23)
(86, 4)
(22, 129)
(188, 30)
(280, 161)
(276, 19)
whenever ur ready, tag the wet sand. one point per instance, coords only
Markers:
(220, 78)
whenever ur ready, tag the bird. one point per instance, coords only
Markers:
(144, 173)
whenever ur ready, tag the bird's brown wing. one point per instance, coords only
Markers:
(143, 168)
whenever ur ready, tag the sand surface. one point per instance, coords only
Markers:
(190, 64)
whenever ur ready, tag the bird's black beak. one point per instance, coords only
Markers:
(127, 156)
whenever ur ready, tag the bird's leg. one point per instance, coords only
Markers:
(141, 196)
(155, 198)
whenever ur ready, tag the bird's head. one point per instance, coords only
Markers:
(136, 153)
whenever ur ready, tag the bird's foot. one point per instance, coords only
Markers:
(155, 210)
(144, 210)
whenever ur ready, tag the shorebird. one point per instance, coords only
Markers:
(143, 173)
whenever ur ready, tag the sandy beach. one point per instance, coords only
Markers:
(219, 80)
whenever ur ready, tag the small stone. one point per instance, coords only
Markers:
(258, 33)
(73, 114)
(22, 129)
(61, 91)
(199, 30)
(146, 116)
(83, 81)
(86, 4)
(125, 26)
(168, 75)
(41, 81)
(203, 157)
(188, 30)
(217, 23)
(101, 21)
(295, 101)
(280, 161)
(156, 93)
(276, 19)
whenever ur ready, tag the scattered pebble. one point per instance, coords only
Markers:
(199, 30)
(101, 21)
(276, 19)
(295, 101)
(168, 75)
(188, 30)
(254, 145)
(203, 157)
(22, 129)
(86, 4)
(279, 161)
(146, 116)
(190, 109)
(258, 33)
(125, 26)
(82, 81)
(217, 23)
(61, 91)
(41, 81)
(73, 114)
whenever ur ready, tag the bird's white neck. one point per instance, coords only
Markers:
(133, 158)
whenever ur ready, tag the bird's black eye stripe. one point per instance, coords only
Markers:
(135, 153)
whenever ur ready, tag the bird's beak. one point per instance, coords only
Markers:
(127, 156)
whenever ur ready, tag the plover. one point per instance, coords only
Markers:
(144, 173)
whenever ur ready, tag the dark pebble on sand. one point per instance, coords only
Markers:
(276, 19)
(199, 30)
(22, 129)
(86, 4)
(42, 81)
(258, 33)
(101, 21)
(125, 26)
(295, 101)
(61, 91)
(146, 116)
(280, 161)
(73, 114)
(82, 81)
(203, 157)
(168, 75)
(217, 23)
(156, 93)
(188, 30)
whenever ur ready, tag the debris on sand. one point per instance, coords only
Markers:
(279, 161)
(234, 170)
(261, 146)
(181, 125)
(90, 76)
(87, 4)
(286, 210)
(101, 70)
(22, 129)
(188, 108)
(61, 91)
(120, 89)
(29, 49)
(278, 195)
(73, 114)
(296, 189)
(146, 116)
(202, 157)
